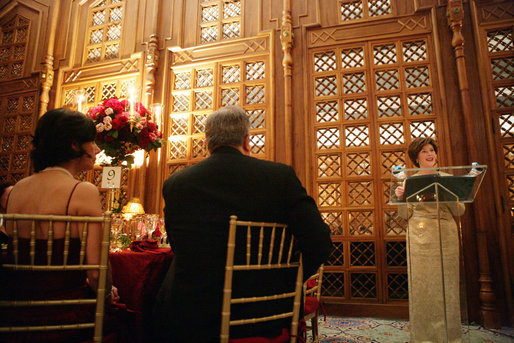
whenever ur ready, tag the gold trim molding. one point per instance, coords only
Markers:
(331, 35)
(233, 48)
(115, 69)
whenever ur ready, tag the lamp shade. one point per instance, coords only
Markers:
(134, 207)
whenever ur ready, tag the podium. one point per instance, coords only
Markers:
(432, 202)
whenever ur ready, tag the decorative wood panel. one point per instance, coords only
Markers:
(497, 50)
(105, 24)
(369, 99)
(351, 10)
(220, 20)
(13, 47)
(203, 80)
(18, 113)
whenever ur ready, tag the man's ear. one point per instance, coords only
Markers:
(246, 145)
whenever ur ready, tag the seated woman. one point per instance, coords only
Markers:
(63, 147)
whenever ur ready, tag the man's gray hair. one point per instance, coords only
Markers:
(228, 126)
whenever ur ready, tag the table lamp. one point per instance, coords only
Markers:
(133, 208)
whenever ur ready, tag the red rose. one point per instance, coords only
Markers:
(109, 139)
(151, 126)
(99, 137)
(143, 138)
(142, 110)
(115, 104)
(119, 122)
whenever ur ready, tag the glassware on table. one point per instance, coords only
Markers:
(117, 226)
(150, 224)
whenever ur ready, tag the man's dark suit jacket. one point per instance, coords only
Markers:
(199, 201)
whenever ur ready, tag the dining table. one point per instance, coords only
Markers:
(138, 274)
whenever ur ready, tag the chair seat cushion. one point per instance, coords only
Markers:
(311, 305)
(311, 283)
(283, 338)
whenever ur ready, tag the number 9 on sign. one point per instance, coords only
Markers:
(111, 177)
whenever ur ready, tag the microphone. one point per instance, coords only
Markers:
(399, 172)
(475, 170)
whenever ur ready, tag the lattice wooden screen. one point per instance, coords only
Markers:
(17, 124)
(500, 52)
(13, 48)
(220, 20)
(370, 100)
(198, 91)
(97, 91)
(105, 22)
(94, 93)
(361, 9)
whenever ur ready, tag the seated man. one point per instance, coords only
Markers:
(199, 201)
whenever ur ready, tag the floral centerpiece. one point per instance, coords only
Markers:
(120, 133)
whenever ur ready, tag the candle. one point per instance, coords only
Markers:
(81, 100)
(132, 100)
(156, 110)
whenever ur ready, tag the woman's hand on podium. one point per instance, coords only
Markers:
(399, 191)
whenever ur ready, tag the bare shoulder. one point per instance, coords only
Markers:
(86, 199)
(86, 188)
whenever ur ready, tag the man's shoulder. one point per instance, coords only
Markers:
(268, 164)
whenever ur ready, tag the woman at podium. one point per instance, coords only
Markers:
(432, 257)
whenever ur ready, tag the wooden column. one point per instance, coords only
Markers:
(455, 13)
(47, 71)
(286, 38)
(152, 165)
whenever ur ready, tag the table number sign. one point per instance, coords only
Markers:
(111, 177)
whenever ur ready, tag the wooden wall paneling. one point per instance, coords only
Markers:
(152, 172)
(286, 38)
(411, 38)
(489, 312)
(489, 19)
(38, 15)
(206, 77)
(18, 114)
(47, 72)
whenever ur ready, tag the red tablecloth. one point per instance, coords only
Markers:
(138, 276)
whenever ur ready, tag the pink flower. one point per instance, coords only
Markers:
(139, 126)
(100, 127)
(107, 119)
(94, 112)
(109, 111)
(108, 126)
(152, 136)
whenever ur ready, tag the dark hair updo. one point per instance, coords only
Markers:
(55, 133)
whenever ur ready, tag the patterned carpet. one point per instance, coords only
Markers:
(371, 330)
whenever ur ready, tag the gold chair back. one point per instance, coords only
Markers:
(279, 257)
(15, 263)
(313, 291)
